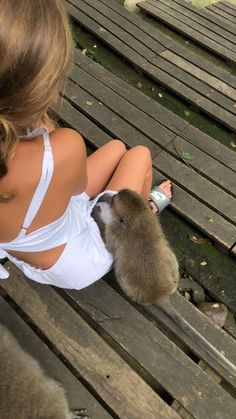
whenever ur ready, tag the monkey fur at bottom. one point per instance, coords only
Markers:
(145, 266)
(25, 391)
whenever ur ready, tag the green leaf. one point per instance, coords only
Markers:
(186, 155)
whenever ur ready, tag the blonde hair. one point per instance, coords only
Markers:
(35, 48)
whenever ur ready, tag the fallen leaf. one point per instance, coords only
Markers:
(210, 219)
(139, 85)
(160, 95)
(187, 113)
(199, 240)
(84, 51)
(233, 144)
(89, 103)
(203, 263)
(186, 155)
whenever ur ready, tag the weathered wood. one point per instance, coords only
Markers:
(210, 146)
(191, 16)
(96, 23)
(217, 10)
(113, 124)
(228, 8)
(162, 12)
(129, 113)
(156, 111)
(184, 203)
(154, 351)
(200, 187)
(75, 119)
(200, 74)
(220, 339)
(171, 45)
(130, 93)
(77, 395)
(111, 378)
(210, 168)
(233, 250)
(209, 16)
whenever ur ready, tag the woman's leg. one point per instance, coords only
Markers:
(102, 164)
(134, 171)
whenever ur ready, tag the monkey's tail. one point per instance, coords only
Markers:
(186, 327)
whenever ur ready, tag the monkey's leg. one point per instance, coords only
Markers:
(80, 414)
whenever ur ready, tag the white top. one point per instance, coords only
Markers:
(51, 235)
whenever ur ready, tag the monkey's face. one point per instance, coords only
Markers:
(127, 209)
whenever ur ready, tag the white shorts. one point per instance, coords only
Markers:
(84, 259)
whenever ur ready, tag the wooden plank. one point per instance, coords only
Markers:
(210, 146)
(199, 214)
(192, 96)
(201, 75)
(130, 93)
(160, 13)
(207, 15)
(157, 111)
(229, 6)
(77, 395)
(109, 120)
(95, 136)
(154, 352)
(205, 165)
(134, 116)
(189, 79)
(225, 7)
(200, 187)
(170, 82)
(106, 372)
(185, 204)
(191, 17)
(233, 250)
(171, 45)
(221, 13)
(92, 9)
(219, 338)
(179, 73)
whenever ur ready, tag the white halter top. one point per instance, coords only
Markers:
(51, 235)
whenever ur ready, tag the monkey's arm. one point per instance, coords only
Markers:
(96, 214)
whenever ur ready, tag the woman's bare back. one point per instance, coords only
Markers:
(22, 179)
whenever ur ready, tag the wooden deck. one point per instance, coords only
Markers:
(113, 357)
(116, 359)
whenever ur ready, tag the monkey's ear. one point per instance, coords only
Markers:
(123, 223)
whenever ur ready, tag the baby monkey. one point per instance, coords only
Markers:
(25, 391)
(145, 266)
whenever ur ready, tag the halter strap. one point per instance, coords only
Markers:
(46, 176)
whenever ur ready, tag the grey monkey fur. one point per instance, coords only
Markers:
(25, 391)
(145, 266)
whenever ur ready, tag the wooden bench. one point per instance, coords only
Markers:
(204, 187)
(224, 11)
(117, 359)
(159, 57)
(197, 24)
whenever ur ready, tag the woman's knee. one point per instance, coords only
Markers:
(117, 146)
(143, 152)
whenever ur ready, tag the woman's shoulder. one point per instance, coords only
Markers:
(70, 156)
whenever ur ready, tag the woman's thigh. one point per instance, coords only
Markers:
(102, 164)
(134, 171)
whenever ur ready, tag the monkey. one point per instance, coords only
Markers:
(25, 391)
(145, 267)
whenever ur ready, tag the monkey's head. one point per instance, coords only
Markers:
(128, 209)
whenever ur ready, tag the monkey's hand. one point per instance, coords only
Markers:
(79, 414)
(96, 214)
